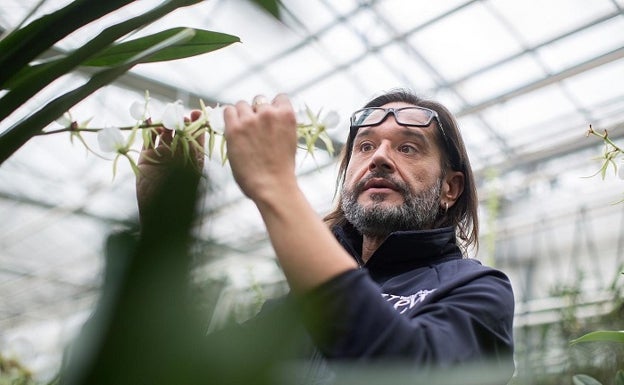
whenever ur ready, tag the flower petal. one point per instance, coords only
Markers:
(303, 117)
(173, 116)
(110, 139)
(215, 118)
(137, 110)
(331, 120)
(65, 120)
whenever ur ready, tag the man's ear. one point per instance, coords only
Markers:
(452, 187)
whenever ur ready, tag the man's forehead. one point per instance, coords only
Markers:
(421, 133)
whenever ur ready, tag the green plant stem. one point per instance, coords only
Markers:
(70, 129)
(606, 139)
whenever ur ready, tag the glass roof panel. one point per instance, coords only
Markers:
(537, 20)
(529, 110)
(342, 8)
(374, 71)
(351, 45)
(297, 67)
(476, 137)
(597, 40)
(367, 26)
(609, 113)
(501, 79)
(316, 16)
(401, 60)
(407, 15)
(598, 85)
(464, 41)
(558, 129)
(257, 29)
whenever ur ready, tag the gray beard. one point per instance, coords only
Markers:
(417, 212)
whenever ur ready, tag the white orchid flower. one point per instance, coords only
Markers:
(111, 139)
(215, 118)
(65, 120)
(330, 120)
(303, 116)
(173, 116)
(139, 110)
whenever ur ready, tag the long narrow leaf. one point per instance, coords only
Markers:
(601, 336)
(22, 131)
(619, 377)
(270, 6)
(23, 45)
(26, 87)
(203, 42)
(584, 379)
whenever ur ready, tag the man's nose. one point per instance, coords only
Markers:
(382, 159)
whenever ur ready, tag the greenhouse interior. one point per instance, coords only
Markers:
(525, 80)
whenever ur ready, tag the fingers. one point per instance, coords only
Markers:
(282, 100)
(259, 101)
(195, 114)
(166, 136)
(243, 113)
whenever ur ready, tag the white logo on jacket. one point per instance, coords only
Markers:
(404, 303)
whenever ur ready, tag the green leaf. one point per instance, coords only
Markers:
(203, 42)
(20, 47)
(19, 133)
(583, 379)
(26, 87)
(619, 377)
(30, 72)
(601, 336)
(271, 6)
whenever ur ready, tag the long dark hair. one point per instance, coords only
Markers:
(463, 214)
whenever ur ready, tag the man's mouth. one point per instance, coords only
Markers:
(379, 184)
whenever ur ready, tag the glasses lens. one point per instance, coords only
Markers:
(414, 116)
(368, 117)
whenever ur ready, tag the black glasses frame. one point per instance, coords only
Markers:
(394, 111)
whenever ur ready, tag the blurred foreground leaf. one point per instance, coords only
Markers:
(601, 336)
(147, 328)
(583, 379)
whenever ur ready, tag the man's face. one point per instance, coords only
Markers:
(393, 180)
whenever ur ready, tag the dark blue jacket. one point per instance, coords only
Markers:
(416, 302)
(416, 299)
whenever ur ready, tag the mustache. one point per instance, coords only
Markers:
(400, 186)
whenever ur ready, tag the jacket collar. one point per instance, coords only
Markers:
(402, 250)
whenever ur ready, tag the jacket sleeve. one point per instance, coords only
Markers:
(348, 319)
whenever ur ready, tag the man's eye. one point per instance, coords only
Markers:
(407, 149)
(365, 147)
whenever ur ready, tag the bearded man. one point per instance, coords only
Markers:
(390, 261)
